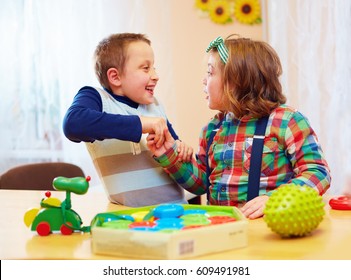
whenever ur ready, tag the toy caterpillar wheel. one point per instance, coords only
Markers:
(66, 230)
(43, 229)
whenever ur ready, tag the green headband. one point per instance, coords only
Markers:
(218, 43)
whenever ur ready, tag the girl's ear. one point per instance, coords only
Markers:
(114, 77)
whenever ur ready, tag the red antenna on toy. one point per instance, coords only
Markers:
(88, 178)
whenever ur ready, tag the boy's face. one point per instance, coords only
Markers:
(139, 79)
(213, 83)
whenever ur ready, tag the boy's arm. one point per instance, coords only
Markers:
(85, 121)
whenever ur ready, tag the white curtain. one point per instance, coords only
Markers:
(45, 57)
(313, 40)
(46, 50)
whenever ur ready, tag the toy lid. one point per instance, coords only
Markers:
(342, 202)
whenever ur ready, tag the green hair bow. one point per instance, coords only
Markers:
(218, 43)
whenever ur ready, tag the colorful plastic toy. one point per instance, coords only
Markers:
(294, 210)
(55, 215)
(168, 211)
(165, 218)
(342, 202)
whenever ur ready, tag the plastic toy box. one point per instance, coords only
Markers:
(162, 232)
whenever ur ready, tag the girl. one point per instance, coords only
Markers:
(255, 143)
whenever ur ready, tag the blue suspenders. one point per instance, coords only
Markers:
(255, 161)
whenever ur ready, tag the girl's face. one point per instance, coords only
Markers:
(213, 83)
(139, 78)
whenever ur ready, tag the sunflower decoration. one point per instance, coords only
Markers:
(220, 11)
(202, 4)
(223, 11)
(247, 11)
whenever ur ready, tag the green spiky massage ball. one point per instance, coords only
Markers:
(294, 210)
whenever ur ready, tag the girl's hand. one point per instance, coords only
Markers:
(254, 208)
(185, 152)
(156, 126)
(152, 143)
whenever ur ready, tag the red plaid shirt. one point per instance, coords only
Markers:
(291, 154)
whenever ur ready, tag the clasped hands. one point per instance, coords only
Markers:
(159, 139)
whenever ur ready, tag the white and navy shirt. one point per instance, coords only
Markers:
(111, 128)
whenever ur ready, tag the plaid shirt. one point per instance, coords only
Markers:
(291, 154)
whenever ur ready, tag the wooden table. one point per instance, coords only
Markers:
(330, 241)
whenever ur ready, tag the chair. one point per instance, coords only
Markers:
(195, 200)
(38, 176)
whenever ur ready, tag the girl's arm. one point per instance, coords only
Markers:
(190, 175)
(306, 155)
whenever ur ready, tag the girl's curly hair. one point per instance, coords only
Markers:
(251, 78)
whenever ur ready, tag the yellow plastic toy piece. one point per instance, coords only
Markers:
(139, 216)
(30, 215)
(53, 201)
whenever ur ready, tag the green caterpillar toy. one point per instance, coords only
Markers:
(54, 215)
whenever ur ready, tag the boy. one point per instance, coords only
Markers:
(112, 120)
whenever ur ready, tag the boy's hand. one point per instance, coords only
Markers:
(166, 145)
(155, 126)
(254, 208)
(185, 152)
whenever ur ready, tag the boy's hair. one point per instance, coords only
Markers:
(111, 53)
(251, 78)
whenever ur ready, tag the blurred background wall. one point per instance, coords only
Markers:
(47, 46)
